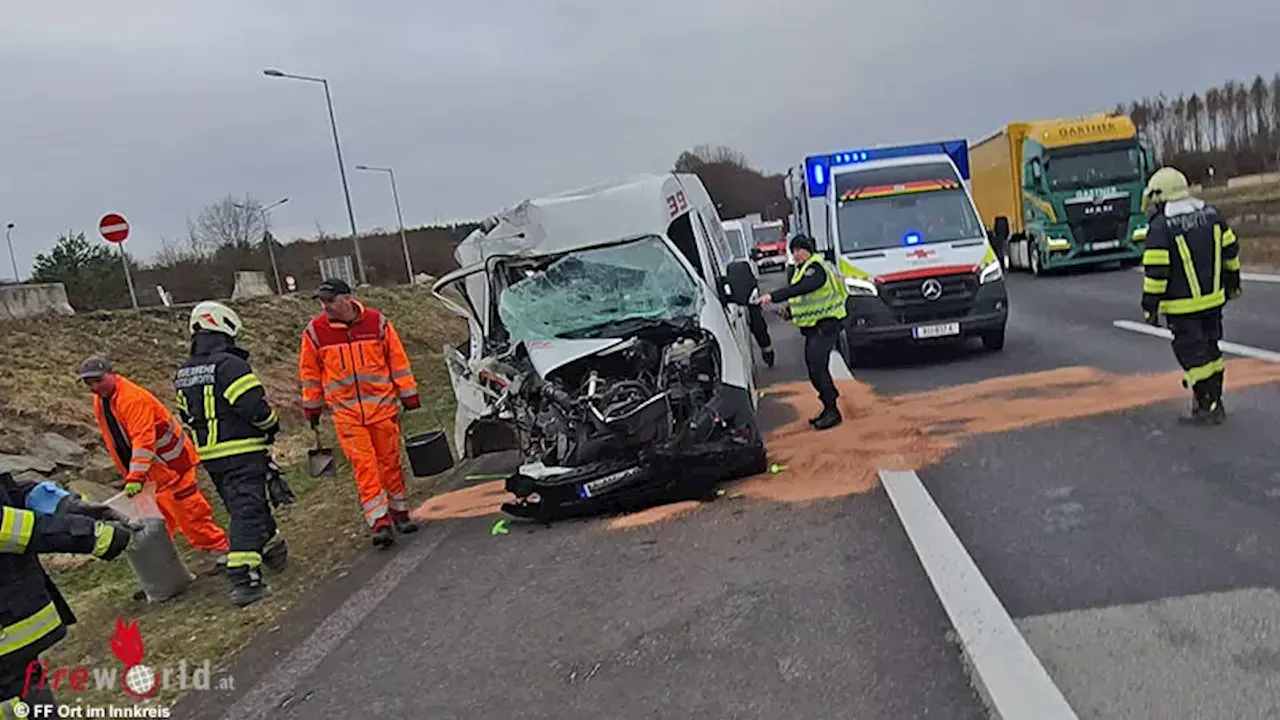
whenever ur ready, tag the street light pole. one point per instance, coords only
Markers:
(342, 170)
(395, 194)
(8, 238)
(268, 241)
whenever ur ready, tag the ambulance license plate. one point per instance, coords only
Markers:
(933, 331)
(1106, 245)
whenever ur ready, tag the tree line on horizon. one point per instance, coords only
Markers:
(1233, 128)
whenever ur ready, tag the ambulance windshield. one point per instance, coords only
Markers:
(903, 206)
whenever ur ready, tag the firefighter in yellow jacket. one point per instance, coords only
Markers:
(1192, 268)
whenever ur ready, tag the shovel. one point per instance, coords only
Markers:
(320, 460)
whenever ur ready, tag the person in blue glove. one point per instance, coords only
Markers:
(41, 518)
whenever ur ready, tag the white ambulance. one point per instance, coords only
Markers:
(900, 224)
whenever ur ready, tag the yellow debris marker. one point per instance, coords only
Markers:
(500, 528)
(776, 468)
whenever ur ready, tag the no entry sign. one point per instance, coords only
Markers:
(114, 227)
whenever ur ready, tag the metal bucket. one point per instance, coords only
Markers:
(152, 555)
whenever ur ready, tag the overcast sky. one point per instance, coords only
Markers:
(156, 109)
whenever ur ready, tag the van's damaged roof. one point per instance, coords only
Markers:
(584, 217)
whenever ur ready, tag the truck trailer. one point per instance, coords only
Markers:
(1063, 192)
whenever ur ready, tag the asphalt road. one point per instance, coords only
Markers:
(1137, 557)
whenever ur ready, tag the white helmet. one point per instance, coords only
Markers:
(213, 316)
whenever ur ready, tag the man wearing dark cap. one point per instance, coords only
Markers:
(352, 361)
(817, 306)
(149, 446)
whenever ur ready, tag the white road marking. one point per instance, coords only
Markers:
(1259, 277)
(1226, 347)
(264, 699)
(1251, 277)
(838, 369)
(1008, 673)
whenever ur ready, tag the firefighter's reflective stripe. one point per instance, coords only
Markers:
(16, 528)
(210, 419)
(29, 630)
(1188, 266)
(103, 534)
(313, 404)
(271, 419)
(1155, 256)
(1187, 306)
(1217, 258)
(237, 559)
(1200, 373)
(1232, 265)
(1228, 237)
(241, 386)
(233, 447)
(212, 449)
(1154, 286)
(827, 301)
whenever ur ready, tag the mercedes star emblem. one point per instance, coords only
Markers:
(931, 289)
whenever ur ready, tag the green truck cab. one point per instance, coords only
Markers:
(1064, 192)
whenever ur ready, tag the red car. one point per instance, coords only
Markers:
(770, 251)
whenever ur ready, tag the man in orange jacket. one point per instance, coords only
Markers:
(148, 445)
(352, 360)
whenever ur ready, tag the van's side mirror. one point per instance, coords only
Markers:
(738, 283)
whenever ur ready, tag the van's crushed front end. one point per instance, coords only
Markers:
(603, 367)
(623, 423)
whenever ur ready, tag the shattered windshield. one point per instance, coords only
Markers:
(591, 290)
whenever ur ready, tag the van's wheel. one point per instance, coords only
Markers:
(993, 340)
(846, 350)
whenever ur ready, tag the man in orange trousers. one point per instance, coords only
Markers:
(148, 445)
(352, 360)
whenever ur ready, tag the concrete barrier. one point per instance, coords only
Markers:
(250, 284)
(18, 302)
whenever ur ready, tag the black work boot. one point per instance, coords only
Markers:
(768, 356)
(829, 418)
(275, 554)
(246, 585)
(383, 536)
(1207, 407)
(403, 523)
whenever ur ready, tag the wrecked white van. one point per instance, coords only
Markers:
(609, 344)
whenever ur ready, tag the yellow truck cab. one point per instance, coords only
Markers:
(900, 226)
(1063, 192)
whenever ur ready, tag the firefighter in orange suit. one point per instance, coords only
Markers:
(352, 361)
(148, 445)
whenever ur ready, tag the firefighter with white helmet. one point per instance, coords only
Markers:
(1192, 268)
(233, 425)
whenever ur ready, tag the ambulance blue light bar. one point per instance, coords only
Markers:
(818, 167)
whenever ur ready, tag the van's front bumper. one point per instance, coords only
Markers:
(877, 320)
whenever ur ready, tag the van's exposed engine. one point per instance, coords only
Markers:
(641, 421)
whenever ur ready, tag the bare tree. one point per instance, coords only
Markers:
(1260, 100)
(229, 223)
(1195, 118)
(700, 155)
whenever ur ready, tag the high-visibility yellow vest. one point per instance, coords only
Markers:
(827, 301)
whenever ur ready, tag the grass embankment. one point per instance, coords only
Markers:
(1254, 211)
(39, 391)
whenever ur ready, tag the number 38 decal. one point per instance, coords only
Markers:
(677, 204)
